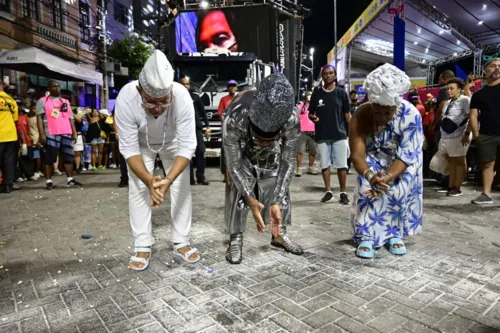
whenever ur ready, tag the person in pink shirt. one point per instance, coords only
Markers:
(57, 133)
(306, 140)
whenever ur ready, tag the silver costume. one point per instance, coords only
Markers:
(260, 172)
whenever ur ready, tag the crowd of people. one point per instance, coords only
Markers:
(390, 141)
(40, 137)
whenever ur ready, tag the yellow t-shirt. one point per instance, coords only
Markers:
(8, 115)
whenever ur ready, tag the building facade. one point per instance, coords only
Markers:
(62, 28)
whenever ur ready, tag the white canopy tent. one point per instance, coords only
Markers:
(35, 61)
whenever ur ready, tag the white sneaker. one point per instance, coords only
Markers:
(84, 169)
(112, 166)
(19, 180)
(35, 177)
(57, 172)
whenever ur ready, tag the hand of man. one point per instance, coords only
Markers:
(117, 137)
(163, 185)
(465, 140)
(475, 136)
(75, 137)
(24, 150)
(256, 207)
(316, 119)
(43, 139)
(155, 193)
(208, 132)
(275, 220)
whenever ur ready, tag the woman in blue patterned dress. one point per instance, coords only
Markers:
(386, 139)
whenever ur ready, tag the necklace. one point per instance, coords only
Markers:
(164, 135)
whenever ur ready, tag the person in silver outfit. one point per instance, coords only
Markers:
(260, 134)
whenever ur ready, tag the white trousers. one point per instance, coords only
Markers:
(139, 203)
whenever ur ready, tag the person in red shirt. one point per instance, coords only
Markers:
(414, 99)
(232, 88)
(26, 157)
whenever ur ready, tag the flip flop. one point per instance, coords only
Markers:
(397, 251)
(186, 255)
(144, 261)
(365, 254)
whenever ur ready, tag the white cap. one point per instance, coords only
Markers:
(104, 112)
(386, 85)
(157, 76)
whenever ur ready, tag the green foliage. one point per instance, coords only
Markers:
(132, 52)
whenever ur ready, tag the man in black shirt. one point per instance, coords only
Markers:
(487, 102)
(200, 114)
(329, 110)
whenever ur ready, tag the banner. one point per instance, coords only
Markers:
(285, 57)
(363, 21)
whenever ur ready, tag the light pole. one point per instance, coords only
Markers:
(311, 52)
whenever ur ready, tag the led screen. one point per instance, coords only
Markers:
(237, 29)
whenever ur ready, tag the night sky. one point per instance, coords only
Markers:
(319, 27)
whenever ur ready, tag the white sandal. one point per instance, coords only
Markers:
(186, 255)
(144, 261)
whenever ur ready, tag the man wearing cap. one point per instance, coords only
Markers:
(261, 132)
(232, 88)
(155, 115)
(30, 97)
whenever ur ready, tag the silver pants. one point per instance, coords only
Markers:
(236, 208)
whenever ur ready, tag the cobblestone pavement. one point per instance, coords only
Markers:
(52, 280)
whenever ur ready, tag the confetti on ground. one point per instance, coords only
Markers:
(36, 250)
(210, 271)
(20, 282)
(4, 319)
(86, 236)
(1, 267)
(59, 272)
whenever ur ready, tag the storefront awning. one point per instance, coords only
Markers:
(35, 61)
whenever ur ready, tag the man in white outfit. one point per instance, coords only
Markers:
(155, 115)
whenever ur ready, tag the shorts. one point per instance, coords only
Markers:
(97, 141)
(78, 146)
(36, 153)
(306, 142)
(333, 153)
(59, 144)
(453, 147)
(488, 148)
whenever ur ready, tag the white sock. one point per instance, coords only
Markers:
(70, 179)
(343, 193)
(49, 181)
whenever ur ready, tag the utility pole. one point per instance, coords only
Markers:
(104, 56)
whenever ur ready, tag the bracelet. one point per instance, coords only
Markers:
(364, 173)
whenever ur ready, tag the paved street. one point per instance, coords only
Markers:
(52, 280)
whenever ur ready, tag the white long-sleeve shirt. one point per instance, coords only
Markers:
(131, 120)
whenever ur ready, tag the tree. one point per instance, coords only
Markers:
(132, 52)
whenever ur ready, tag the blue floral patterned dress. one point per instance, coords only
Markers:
(398, 212)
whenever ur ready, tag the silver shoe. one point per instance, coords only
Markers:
(285, 242)
(234, 253)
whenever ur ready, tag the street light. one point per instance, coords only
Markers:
(311, 52)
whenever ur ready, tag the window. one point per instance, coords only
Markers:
(120, 13)
(56, 14)
(84, 22)
(30, 9)
(5, 5)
